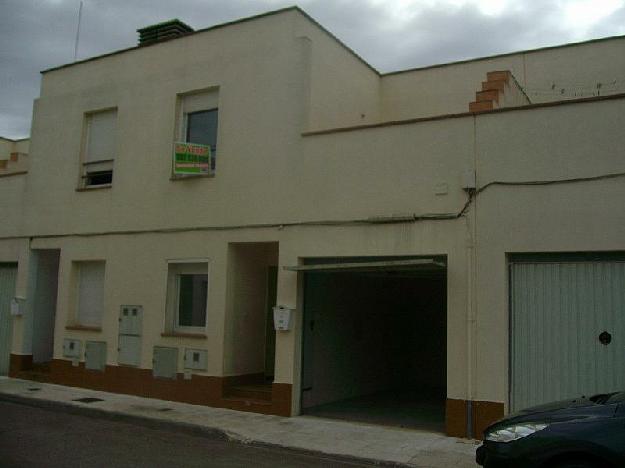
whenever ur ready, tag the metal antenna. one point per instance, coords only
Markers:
(77, 32)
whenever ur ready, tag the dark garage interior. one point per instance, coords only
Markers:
(375, 340)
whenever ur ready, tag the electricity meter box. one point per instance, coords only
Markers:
(165, 362)
(282, 318)
(130, 327)
(72, 348)
(195, 359)
(95, 355)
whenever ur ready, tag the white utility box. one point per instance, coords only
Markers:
(72, 348)
(282, 318)
(196, 359)
(95, 355)
(165, 362)
(17, 306)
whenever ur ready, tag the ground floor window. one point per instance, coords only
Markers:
(90, 293)
(187, 297)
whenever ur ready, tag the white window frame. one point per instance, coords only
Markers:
(176, 268)
(196, 101)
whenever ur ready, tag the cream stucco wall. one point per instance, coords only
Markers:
(307, 191)
(342, 89)
(546, 75)
(544, 144)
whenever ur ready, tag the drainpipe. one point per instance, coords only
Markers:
(470, 324)
(471, 292)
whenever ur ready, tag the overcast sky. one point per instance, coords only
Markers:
(389, 34)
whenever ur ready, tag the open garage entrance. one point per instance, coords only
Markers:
(375, 340)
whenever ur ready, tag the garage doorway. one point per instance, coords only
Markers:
(567, 328)
(375, 340)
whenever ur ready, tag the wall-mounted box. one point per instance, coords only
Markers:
(165, 362)
(17, 306)
(469, 180)
(129, 350)
(130, 327)
(282, 318)
(95, 355)
(72, 348)
(130, 320)
(196, 359)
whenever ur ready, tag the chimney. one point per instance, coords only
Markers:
(163, 31)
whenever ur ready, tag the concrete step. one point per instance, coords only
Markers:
(250, 392)
(246, 401)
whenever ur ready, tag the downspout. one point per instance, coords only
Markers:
(471, 295)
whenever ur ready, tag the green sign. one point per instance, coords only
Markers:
(191, 158)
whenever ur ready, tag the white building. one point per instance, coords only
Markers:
(449, 238)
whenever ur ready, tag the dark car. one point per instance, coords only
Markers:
(579, 433)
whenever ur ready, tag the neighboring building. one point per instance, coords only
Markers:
(451, 238)
(13, 156)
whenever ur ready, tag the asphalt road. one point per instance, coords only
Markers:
(35, 437)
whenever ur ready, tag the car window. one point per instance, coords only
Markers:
(617, 397)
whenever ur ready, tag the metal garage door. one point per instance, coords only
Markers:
(559, 311)
(7, 292)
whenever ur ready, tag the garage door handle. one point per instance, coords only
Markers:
(605, 338)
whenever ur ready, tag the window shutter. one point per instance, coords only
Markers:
(199, 102)
(91, 293)
(101, 139)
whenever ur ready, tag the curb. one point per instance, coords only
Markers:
(187, 428)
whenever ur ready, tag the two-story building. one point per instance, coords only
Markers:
(447, 243)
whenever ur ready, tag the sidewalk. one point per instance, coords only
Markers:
(384, 445)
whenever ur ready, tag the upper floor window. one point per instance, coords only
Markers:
(100, 148)
(198, 125)
(201, 128)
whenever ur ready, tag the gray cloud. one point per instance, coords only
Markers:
(39, 34)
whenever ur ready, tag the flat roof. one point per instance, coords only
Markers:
(341, 43)
(219, 26)
(505, 54)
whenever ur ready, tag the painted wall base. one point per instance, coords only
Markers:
(19, 363)
(483, 414)
(199, 390)
(211, 391)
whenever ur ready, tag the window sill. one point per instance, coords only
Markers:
(197, 336)
(94, 187)
(83, 328)
(175, 178)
